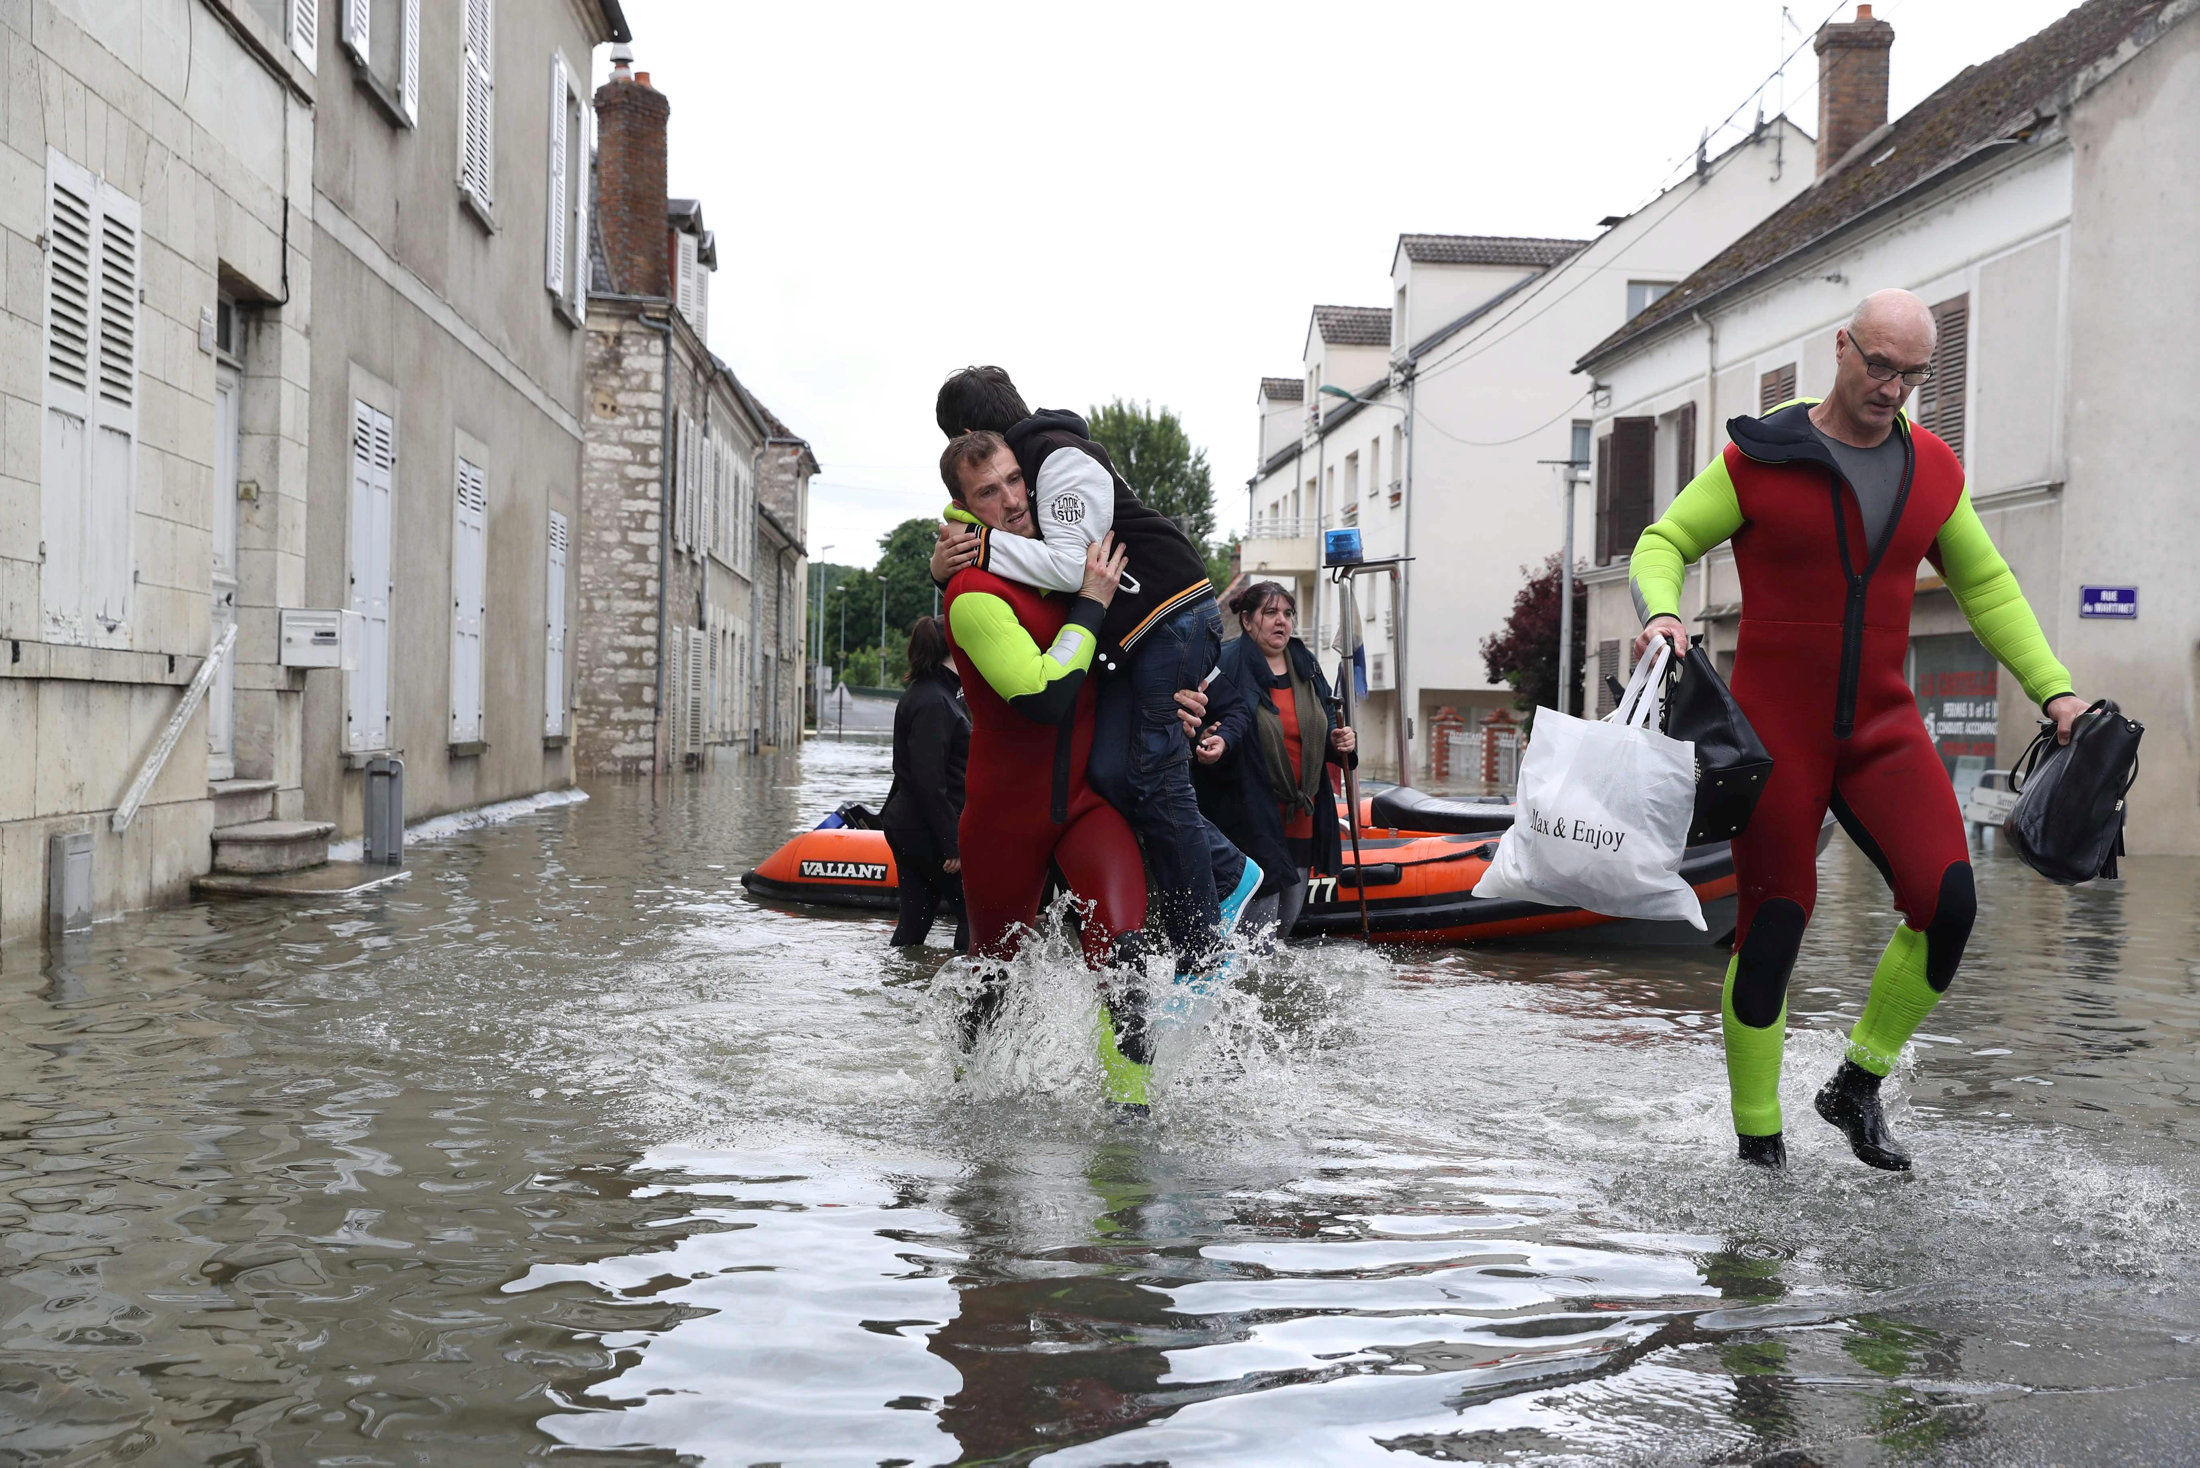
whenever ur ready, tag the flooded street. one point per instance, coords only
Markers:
(567, 1149)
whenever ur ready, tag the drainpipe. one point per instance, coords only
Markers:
(663, 326)
(1404, 711)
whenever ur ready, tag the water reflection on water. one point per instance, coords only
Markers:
(567, 1149)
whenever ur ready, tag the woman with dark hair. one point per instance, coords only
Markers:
(923, 810)
(1266, 778)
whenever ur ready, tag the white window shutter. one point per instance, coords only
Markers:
(695, 690)
(469, 567)
(356, 13)
(554, 234)
(408, 75)
(72, 360)
(112, 512)
(367, 687)
(477, 135)
(701, 292)
(305, 31)
(582, 144)
(684, 286)
(553, 673)
(676, 693)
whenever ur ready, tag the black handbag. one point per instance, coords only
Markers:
(2068, 822)
(1732, 764)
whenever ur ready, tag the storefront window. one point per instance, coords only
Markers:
(1957, 685)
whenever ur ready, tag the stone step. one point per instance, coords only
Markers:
(271, 846)
(240, 802)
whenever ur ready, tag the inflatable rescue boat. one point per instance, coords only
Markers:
(1419, 858)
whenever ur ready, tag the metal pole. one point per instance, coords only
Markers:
(1346, 614)
(1566, 606)
(1404, 592)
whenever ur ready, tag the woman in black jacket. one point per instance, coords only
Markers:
(1265, 778)
(931, 749)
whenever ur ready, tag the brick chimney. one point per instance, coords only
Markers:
(1852, 84)
(630, 178)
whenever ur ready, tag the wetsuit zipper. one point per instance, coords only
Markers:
(1859, 583)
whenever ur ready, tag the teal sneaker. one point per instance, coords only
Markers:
(1233, 906)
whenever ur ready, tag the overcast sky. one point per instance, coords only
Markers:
(1144, 200)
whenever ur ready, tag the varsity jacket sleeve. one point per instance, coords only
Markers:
(1992, 602)
(1039, 683)
(1074, 504)
(1702, 515)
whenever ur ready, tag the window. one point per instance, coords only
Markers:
(553, 667)
(1374, 466)
(1352, 478)
(1640, 294)
(382, 38)
(695, 693)
(1775, 387)
(469, 592)
(565, 231)
(88, 462)
(1397, 463)
(1624, 469)
(1580, 450)
(373, 468)
(477, 106)
(1398, 321)
(1940, 403)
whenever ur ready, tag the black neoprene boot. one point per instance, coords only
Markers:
(1851, 1102)
(1767, 1152)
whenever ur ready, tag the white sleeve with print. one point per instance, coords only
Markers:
(1074, 505)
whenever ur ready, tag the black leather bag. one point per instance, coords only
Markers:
(2068, 822)
(1732, 764)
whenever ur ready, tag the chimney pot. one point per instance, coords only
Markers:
(1852, 84)
(641, 78)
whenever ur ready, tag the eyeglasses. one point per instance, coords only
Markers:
(1879, 371)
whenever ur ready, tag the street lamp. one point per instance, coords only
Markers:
(1404, 717)
(817, 662)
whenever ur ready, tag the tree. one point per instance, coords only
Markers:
(1156, 459)
(1525, 652)
(905, 555)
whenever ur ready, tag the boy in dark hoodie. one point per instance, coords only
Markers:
(1162, 634)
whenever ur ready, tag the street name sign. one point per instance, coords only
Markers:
(2108, 601)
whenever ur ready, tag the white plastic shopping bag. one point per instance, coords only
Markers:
(1603, 812)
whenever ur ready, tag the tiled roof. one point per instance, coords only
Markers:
(1353, 326)
(1997, 102)
(1485, 249)
(1285, 389)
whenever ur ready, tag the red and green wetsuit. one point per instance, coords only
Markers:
(1024, 656)
(1819, 669)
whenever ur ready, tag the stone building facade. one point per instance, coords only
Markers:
(192, 410)
(157, 165)
(449, 393)
(684, 555)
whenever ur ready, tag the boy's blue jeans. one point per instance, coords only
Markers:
(1142, 765)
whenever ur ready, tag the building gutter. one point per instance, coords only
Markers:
(1602, 356)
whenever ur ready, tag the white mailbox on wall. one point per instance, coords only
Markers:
(317, 638)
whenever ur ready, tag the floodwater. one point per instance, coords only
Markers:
(567, 1150)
